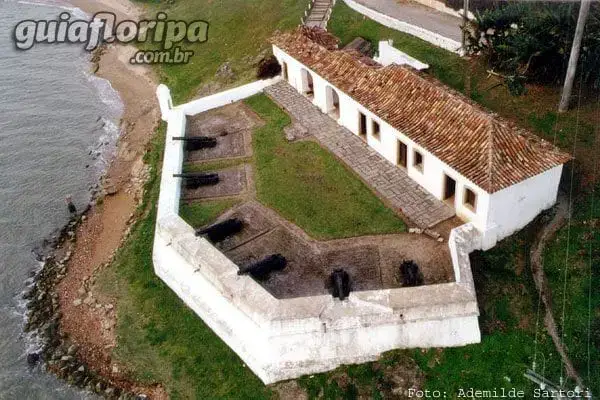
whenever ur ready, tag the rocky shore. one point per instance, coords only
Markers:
(73, 325)
(57, 351)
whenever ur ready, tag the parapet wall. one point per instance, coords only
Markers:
(285, 338)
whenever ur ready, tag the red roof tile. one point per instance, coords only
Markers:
(489, 151)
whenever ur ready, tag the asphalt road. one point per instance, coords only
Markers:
(418, 15)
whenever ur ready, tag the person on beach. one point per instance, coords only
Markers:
(70, 205)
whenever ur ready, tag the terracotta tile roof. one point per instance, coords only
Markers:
(490, 151)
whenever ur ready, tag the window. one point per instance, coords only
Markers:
(362, 125)
(402, 154)
(470, 199)
(375, 129)
(418, 161)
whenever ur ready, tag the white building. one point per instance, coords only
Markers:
(495, 175)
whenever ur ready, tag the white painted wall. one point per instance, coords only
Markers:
(227, 97)
(431, 37)
(522, 202)
(388, 54)
(285, 338)
(514, 207)
(432, 177)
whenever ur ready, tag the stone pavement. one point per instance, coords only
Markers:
(319, 14)
(390, 182)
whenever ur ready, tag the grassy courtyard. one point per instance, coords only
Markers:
(309, 187)
(161, 340)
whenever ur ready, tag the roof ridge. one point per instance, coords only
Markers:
(490, 151)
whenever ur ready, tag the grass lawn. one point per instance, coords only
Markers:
(508, 302)
(309, 186)
(576, 252)
(159, 338)
(238, 32)
(536, 110)
(201, 213)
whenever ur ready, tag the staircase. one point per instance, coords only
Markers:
(318, 13)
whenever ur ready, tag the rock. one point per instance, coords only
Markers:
(33, 358)
(432, 234)
(72, 350)
(81, 291)
(415, 230)
(225, 72)
(77, 302)
(81, 368)
(440, 239)
(89, 300)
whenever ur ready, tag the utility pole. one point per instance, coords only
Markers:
(574, 56)
(465, 22)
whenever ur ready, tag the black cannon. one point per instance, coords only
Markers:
(197, 142)
(411, 276)
(194, 180)
(339, 281)
(222, 230)
(261, 269)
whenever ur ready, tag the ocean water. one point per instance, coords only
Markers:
(58, 126)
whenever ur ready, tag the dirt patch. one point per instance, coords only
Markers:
(373, 261)
(231, 125)
(232, 181)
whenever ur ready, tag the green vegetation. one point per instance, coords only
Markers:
(204, 212)
(532, 40)
(575, 253)
(308, 186)
(214, 165)
(532, 110)
(347, 24)
(508, 302)
(159, 338)
(161, 341)
(237, 34)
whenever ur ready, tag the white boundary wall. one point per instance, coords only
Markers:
(388, 54)
(431, 37)
(285, 338)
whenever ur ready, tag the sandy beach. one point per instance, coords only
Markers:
(92, 329)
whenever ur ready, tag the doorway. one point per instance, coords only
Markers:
(333, 102)
(307, 84)
(449, 189)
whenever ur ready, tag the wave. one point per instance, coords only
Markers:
(75, 11)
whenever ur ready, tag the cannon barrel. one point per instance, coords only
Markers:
(222, 230)
(197, 142)
(340, 283)
(261, 269)
(195, 179)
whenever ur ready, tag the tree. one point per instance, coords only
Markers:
(574, 56)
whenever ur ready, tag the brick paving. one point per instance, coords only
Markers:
(390, 182)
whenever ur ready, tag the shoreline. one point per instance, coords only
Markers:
(76, 327)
